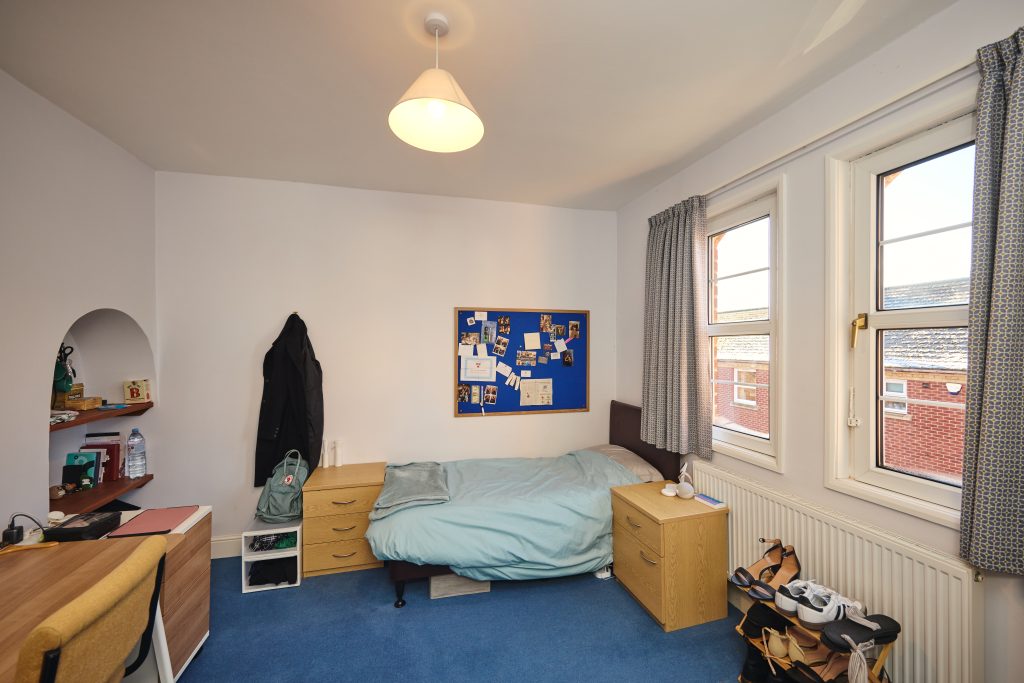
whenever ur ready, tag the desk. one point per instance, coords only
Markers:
(39, 582)
(36, 583)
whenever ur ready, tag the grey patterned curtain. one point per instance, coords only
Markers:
(676, 408)
(992, 516)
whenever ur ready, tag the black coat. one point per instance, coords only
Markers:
(292, 410)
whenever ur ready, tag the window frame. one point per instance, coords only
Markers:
(853, 289)
(759, 202)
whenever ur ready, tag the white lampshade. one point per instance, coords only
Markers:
(435, 115)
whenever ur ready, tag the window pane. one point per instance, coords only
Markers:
(736, 362)
(934, 194)
(924, 439)
(745, 297)
(741, 249)
(940, 279)
(927, 195)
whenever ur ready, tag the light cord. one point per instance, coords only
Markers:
(436, 49)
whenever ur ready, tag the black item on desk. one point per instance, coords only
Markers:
(87, 526)
(282, 570)
(117, 505)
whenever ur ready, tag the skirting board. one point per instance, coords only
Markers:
(226, 546)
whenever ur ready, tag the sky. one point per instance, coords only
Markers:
(930, 195)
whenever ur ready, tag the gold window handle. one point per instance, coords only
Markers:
(858, 323)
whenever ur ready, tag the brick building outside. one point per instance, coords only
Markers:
(921, 364)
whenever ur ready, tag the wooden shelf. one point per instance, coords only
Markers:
(94, 415)
(87, 501)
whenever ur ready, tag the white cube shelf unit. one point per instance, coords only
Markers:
(260, 528)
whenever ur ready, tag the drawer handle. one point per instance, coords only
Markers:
(342, 557)
(646, 559)
(343, 502)
(632, 523)
(348, 528)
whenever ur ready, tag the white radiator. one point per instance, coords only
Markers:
(932, 595)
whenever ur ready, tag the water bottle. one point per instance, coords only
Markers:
(136, 461)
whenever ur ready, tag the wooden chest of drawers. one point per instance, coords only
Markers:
(336, 504)
(670, 554)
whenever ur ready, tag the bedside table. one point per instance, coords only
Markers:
(336, 504)
(670, 554)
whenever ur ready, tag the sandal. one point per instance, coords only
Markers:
(837, 665)
(776, 643)
(788, 570)
(855, 629)
(769, 562)
(803, 647)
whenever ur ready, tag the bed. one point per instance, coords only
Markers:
(521, 518)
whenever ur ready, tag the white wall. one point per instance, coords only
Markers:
(937, 47)
(376, 276)
(76, 224)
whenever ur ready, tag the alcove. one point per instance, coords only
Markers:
(110, 348)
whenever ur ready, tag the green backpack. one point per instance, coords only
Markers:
(281, 500)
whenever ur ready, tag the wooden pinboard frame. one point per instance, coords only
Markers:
(571, 383)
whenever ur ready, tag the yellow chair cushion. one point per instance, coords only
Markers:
(99, 629)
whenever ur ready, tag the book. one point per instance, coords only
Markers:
(113, 442)
(88, 462)
(101, 469)
(709, 501)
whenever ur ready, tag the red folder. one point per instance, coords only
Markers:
(155, 521)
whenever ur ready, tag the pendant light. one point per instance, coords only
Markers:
(434, 114)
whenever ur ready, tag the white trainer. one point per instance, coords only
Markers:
(788, 596)
(815, 609)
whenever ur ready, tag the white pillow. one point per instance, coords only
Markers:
(628, 459)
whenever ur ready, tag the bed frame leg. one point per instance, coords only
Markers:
(399, 593)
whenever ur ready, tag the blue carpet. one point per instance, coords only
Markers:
(344, 627)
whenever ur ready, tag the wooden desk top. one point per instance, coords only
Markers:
(356, 474)
(36, 583)
(647, 497)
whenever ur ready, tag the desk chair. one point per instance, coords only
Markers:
(89, 639)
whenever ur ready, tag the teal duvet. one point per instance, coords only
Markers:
(514, 518)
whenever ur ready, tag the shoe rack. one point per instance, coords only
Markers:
(875, 675)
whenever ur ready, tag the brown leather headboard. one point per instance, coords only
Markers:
(624, 430)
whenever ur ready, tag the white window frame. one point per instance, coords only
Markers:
(764, 199)
(740, 384)
(852, 281)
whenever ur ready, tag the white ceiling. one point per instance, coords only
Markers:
(586, 103)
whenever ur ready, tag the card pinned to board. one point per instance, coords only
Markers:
(531, 340)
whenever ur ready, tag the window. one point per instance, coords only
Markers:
(909, 237)
(744, 391)
(895, 388)
(742, 319)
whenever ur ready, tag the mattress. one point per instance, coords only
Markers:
(511, 518)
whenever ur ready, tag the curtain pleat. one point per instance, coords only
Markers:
(992, 511)
(676, 405)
